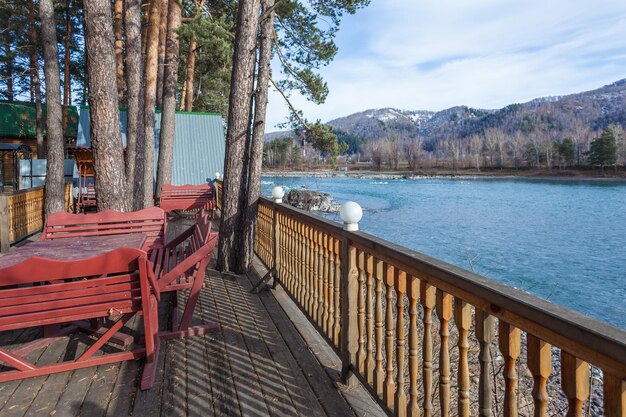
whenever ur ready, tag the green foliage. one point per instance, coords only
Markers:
(567, 150)
(322, 138)
(281, 152)
(213, 66)
(305, 42)
(352, 142)
(603, 150)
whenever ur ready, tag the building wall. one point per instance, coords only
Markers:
(8, 167)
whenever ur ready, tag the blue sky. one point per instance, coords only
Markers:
(435, 54)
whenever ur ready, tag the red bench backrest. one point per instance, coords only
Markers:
(186, 197)
(70, 290)
(150, 221)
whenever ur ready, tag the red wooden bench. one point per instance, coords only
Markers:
(181, 265)
(150, 221)
(187, 197)
(118, 285)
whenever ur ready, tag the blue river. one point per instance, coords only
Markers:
(562, 240)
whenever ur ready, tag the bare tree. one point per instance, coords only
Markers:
(55, 194)
(412, 151)
(106, 138)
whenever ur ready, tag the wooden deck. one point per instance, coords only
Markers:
(267, 361)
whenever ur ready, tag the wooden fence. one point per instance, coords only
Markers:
(22, 213)
(428, 338)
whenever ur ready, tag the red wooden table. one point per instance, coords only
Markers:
(72, 249)
(52, 283)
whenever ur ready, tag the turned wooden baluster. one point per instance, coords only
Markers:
(325, 295)
(316, 275)
(427, 294)
(379, 372)
(390, 389)
(401, 400)
(312, 271)
(575, 383)
(614, 395)
(413, 293)
(360, 356)
(321, 272)
(509, 342)
(281, 242)
(485, 333)
(330, 245)
(308, 257)
(369, 318)
(463, 320)
(337, 328)
(299, 295)
(444, 312)
(540, 366)
(290, 255)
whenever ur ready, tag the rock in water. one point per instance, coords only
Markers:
(311, 201)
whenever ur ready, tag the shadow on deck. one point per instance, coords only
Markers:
(267, 360)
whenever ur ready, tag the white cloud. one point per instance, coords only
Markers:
(484, 53)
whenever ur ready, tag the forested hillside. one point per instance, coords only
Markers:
(528, 134)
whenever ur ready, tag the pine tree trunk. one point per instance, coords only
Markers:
(67, 79)
(168, 116)
(152, 60)
(119, 49)
(190, 74)
(36, 87)
(162, 36)
(55, 193)
(134, 94)
(229, 247)
(145, 23)
(256, 146)
(106, 138)
(183, 92)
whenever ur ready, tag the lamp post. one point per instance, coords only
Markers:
(277, 194)
(351, 213)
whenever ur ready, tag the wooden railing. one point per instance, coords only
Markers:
(218, 194)
(22, 213)
(430, 339)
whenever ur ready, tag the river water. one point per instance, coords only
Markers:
(563, 240)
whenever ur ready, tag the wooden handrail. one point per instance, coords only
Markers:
(318, 262)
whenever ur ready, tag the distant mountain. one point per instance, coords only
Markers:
(564, 115)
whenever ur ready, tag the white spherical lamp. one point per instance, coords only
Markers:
(217, 175)
(277, 194)
(351, 213)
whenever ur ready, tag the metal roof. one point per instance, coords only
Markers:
(199, 144)
(18, 119)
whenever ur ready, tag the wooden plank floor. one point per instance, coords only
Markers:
(257, 365)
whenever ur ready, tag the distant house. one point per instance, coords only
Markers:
(18, 134)
(199, 144)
